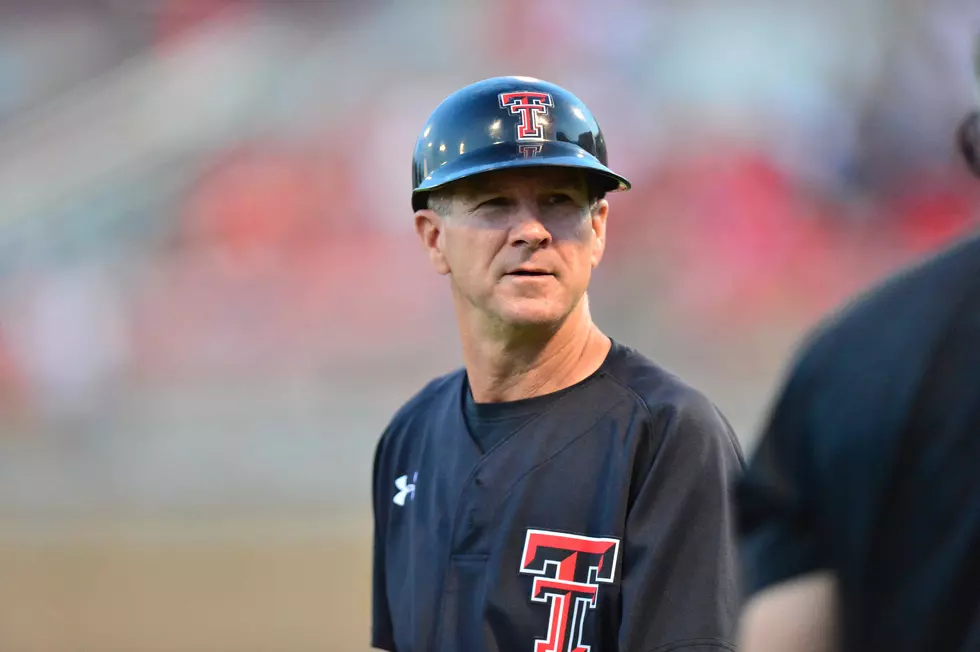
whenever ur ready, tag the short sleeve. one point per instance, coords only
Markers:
(680, 585)
(381, 631)
(778, 537)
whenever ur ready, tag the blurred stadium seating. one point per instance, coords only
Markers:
(211, 299)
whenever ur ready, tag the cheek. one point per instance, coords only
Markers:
(469, 250)
(578, 260)
(570, 227)
(583, 240)
(584, 237)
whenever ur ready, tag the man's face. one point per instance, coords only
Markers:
(518, 245)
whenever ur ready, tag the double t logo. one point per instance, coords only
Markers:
(531, 106)
(569, 569)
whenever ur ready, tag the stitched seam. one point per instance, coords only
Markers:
(545, 461)
(629, 390)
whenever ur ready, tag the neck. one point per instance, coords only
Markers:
(514, 364)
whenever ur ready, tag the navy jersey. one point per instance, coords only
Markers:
(870, 464)
(601, 522)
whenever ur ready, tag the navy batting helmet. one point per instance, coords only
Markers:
(508, 122)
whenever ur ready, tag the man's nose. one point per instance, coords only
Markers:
(528, 229)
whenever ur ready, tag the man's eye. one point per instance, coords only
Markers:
(559, 198)
(494, 202)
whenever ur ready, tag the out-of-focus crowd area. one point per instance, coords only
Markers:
(211, 296)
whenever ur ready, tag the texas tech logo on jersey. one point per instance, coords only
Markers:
(569, 570)
(530, 106)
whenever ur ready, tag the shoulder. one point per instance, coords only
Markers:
(853, 379)
(661, 393)
(910, 307)
(428, 399)
(672, 408)
(435, 396)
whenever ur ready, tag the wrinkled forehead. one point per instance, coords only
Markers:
(528, 179)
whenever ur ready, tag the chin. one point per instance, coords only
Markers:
(531, 313)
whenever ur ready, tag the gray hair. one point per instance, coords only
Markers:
(441, 203)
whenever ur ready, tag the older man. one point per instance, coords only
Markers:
(561, 491)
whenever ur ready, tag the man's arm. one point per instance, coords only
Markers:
(798, 615)
(680, 564)
(789, 590)
(382, 637)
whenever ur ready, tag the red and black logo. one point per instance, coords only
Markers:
(569, 569)
(530, 150)
(530, 106)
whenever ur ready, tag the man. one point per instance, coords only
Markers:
(560, 492)
(860, 511)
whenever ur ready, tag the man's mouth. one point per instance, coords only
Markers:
(527, 272)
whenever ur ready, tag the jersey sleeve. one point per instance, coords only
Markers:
(777, 526)
(381, 630)
(680, 589)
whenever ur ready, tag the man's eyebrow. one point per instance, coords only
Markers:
(474, 192)
(569, 187)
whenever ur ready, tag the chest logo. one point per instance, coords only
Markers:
(405, 489)
(568, 570)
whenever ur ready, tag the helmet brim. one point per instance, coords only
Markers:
(510, 155)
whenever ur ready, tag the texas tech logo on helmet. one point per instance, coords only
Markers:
(530, 150)
(569, 569)
(530, 106)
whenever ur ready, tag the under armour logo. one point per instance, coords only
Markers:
(405, 489)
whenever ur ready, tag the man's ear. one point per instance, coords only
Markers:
(599, 213)
(428, 226)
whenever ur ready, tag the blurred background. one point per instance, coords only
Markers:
(212, 300)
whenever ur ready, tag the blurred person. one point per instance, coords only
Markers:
(859, 514)
(560, 491)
